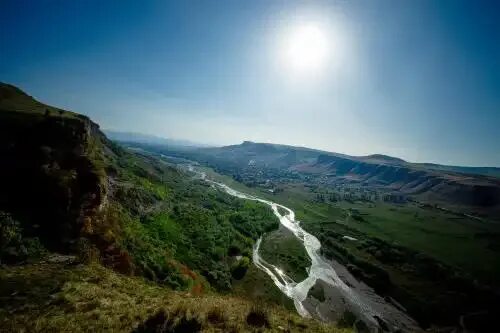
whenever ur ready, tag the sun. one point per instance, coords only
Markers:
(306, 49)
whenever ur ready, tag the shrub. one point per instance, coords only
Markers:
(86, 251)
(10, 232)
(177, 321)
(347, 320)
(257, 317)
(13, 247)
(240, 268)
(234, 250)
(34, 248)
(216, 316)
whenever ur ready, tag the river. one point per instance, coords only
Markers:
(365, 308)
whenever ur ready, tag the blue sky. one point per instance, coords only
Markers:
(415, 79)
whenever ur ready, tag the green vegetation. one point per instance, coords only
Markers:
(66, 188)
(15, 100)
(450, 238)
(317, 292)
(69, 297)
(130, 211)
(102, 205)
(13, 246)
(418, 255)
(446, 237)
(240, 268)
(178, 230)
(257, 286)
(347, 320)
(282, 249)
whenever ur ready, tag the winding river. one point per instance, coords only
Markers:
(319, 269)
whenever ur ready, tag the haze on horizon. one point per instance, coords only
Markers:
(417, 80)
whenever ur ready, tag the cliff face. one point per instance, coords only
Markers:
(51, 173)
(450, 188)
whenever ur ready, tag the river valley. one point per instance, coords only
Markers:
(343, 293)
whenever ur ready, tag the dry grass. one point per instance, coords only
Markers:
(82, 298)
(216, 316)
(258, 317)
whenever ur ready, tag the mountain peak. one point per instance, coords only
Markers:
(381, 158)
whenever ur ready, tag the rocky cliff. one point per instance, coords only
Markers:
(51, 173)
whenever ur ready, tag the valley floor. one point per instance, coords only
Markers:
(418, 257)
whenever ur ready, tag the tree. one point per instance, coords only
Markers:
(239, 269)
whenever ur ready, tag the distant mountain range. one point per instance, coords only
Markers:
(374, 159)
(133, 137)
(476, 189)
(150, 139)
(471, 190)
(486, 171)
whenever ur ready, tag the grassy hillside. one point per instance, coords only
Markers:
(168, 218)
(60, 296)
(13, 99)
(67, 189)
(72, 190)
(485, 171)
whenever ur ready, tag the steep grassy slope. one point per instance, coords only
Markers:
(168, 218)
(63, 296)
(66, 188)
(14, 99)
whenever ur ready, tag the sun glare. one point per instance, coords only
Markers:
(306, 49)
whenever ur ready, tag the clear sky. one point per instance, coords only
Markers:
(418, 80)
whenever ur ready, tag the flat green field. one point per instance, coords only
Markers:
(449, 238)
